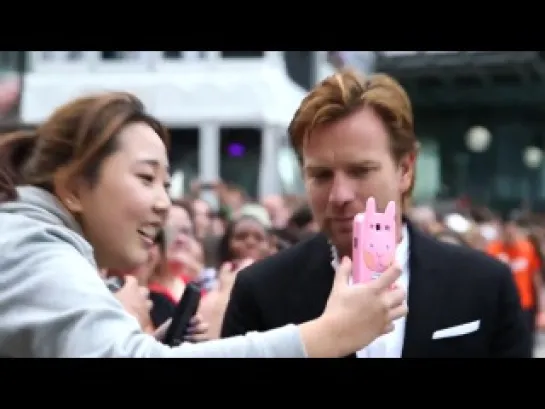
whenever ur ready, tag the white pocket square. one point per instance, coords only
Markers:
(457, 330)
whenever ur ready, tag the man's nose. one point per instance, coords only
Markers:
(342, 191)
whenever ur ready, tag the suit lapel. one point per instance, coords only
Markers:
(425, 291)
(426, 288)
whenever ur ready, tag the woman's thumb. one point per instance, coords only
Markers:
(343, 272)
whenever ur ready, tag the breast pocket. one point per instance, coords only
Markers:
(459, 341)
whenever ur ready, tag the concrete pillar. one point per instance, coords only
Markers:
(209, 158)
(268, 172)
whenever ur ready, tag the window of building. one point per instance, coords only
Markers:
(59, 56)
(240, 157)
(74, 55)
(176, 55)
(242, 54)
(184, 157)
(172, 55)
(121, 55)
(10, 61)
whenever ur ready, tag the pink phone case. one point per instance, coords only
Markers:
(374, 242)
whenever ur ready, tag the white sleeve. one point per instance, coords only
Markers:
(54, 304)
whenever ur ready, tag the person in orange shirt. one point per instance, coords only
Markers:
(514, 248)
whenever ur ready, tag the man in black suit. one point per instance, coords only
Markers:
(355, 139)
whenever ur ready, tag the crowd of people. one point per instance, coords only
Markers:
(516, 237)
(98, 254)
(203, 245)
(208, 246)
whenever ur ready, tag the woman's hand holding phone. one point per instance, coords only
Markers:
(134, 299)
(356, 314)
(196, 332)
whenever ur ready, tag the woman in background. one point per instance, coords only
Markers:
(245, 238)
(245, 241)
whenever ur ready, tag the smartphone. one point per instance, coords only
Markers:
(185, 310)
(115, 283)
(374, 242)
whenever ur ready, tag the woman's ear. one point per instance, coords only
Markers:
(67, 191)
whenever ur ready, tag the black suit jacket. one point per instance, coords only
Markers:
(448, 286)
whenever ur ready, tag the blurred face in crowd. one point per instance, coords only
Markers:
(424, 217)
(123, 213)
(234, 198)
(277, 210)
(179, 221)
(201, 209)
(510, 232)
(249, 240)
(179, 231)
(346, 162)
(475, 239)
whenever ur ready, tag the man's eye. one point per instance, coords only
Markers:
(358, 172)
(322, 176)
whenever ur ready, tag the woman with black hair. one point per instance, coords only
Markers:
(244, 238)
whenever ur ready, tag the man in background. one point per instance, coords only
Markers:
(514, 248)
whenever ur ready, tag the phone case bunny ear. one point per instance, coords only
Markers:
(391, 210)
(370, 207)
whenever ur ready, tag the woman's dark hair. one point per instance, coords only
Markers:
(224, 249)
(73, 141)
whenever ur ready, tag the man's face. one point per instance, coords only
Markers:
(346, 162)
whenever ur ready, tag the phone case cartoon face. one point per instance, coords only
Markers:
(374, 242)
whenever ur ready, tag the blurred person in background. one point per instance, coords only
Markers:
(488, 223)
(355, 139)
(301, 223)
(475, 239)
(219, 222)
(185, 254)
(277, 209)
(449, 236)
(231, 197)
(515, 250)
(202, 217)
(213, 305)
(244, 238)
(166, 289)
(180, 262)
(278, 241)
(425, 218)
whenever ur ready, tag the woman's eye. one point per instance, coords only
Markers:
(146, 178)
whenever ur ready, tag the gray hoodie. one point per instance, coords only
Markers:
(54, 304)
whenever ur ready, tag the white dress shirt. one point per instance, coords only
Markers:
(389, 345)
